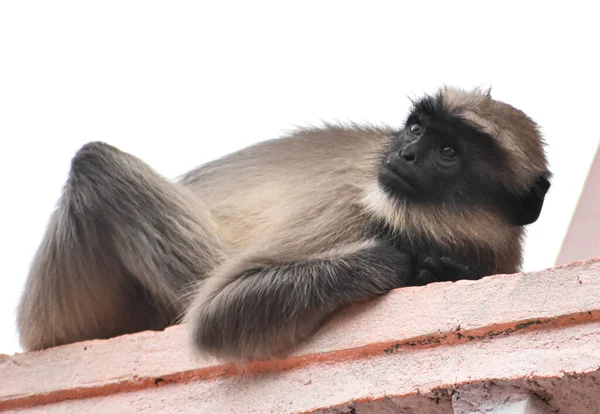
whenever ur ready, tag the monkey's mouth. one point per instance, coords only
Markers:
(389, 176)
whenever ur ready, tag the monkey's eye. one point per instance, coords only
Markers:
(416, 129)
(447, 152)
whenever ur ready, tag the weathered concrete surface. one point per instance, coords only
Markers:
(496, 399)
(406, 351)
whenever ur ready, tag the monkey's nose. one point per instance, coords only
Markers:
(408, 154)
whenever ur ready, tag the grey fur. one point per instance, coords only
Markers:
(256, 249)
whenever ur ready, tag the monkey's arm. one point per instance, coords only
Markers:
(262, 307)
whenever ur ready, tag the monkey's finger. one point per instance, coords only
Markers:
(459, 271)
(438, 268)
(424, 277)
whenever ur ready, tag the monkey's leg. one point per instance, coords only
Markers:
(120, 249)
(262, 307)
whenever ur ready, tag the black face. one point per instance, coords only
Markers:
(422, 161)
(437, 157)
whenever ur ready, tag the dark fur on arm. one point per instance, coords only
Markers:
(260, 307)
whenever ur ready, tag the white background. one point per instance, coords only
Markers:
(180, 83)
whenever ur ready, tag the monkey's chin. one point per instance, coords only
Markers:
(394, 183)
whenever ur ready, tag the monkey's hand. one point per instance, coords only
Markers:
(431, 269)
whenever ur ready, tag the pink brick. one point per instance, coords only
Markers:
(410, 348)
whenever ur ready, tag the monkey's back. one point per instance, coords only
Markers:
(300, 192)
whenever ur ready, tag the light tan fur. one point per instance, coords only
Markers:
(513, 130)
(296, 203)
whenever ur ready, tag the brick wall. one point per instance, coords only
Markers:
(429, 349)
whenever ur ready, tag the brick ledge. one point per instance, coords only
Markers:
(438, 319)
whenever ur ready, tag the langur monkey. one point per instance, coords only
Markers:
(254, 251)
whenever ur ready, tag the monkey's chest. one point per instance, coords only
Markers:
(479, 258)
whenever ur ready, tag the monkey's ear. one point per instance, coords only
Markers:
(528, 207)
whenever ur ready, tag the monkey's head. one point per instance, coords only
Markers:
(466, 151)
(465, 172)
